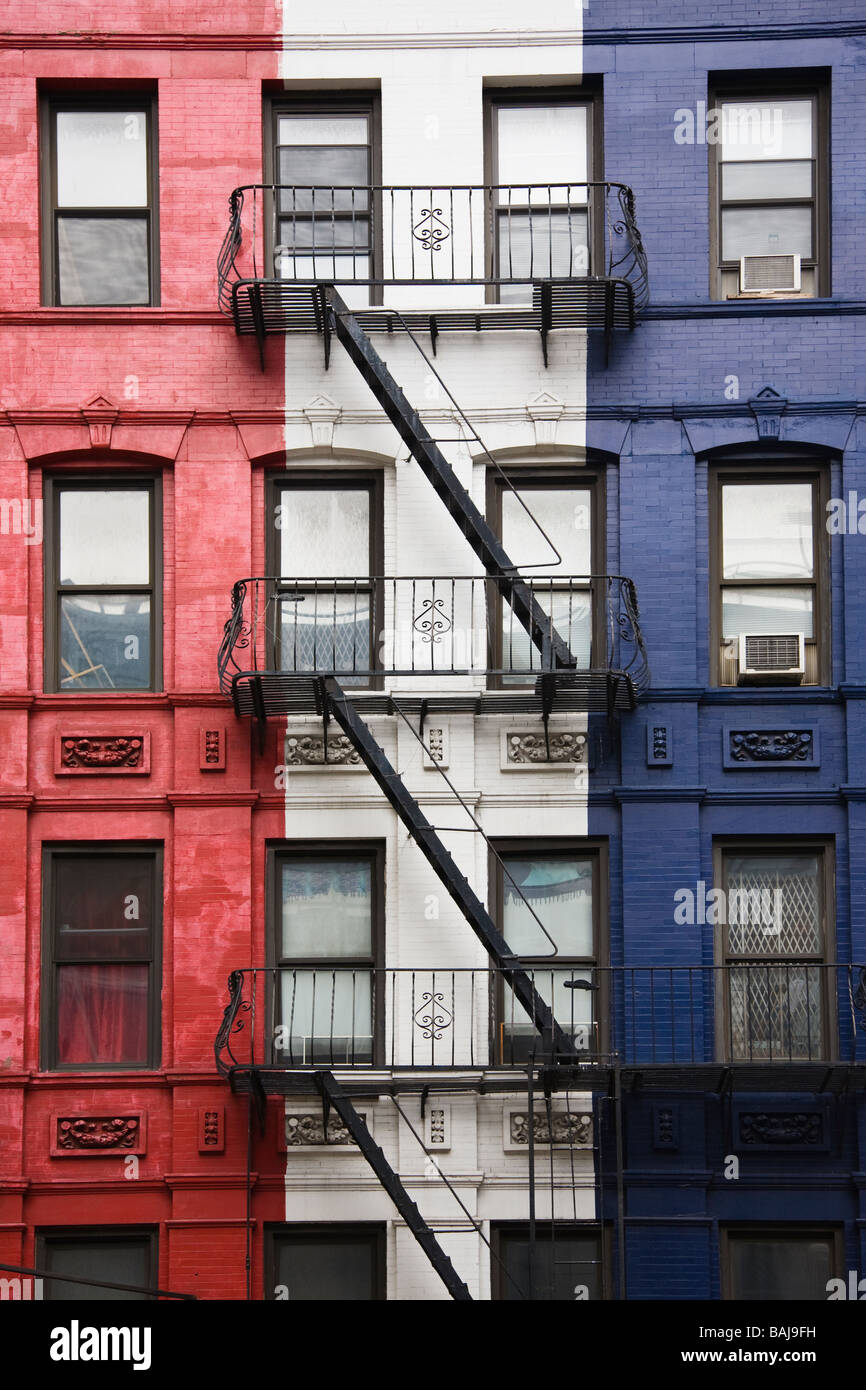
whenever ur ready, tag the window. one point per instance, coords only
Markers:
(326, 541)
(101, 586)
(329, 928)
(323, 162)
(101, 964)
(539, 162)
(771, 566)
(548, 895)
(774, 943)
(779, 1264)
(122, 1257)
(769, 171)
(566, 1263)
(99, 201)
(565, 508)
(321, 1264)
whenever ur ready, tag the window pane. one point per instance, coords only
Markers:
(102, 1014)
(765, 129)
(326, 908)
(559, 890)
(767, 611)
(541, 244)
(105, 642)
(321, 1270)
(103, 260)
(776, 1013)
(791, 179)
(541, 144)
(768, 231)
(324, 234)
(101, 159)
(321, 170)
(569, 994)
(570, 613)
(103, 907)
(324, 533)
(769, 1269)
(120, 1261)
(344, 269)
(327, 1016)
(323, 130)
(558, 1266)
(326, 631)
(564, 513)
(774, 904)
(767, 530)
(104, 537)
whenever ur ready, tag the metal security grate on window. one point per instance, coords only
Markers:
(774, 913)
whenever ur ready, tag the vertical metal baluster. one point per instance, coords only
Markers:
(412, 1022)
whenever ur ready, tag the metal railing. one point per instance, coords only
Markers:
(294, 1017)
(360, 629)
(483, 234)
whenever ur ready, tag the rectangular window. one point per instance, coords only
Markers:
(329, 927)
(771, 566)
(102, 565)
(539, 161)
(102, 911)
(558, 570)
(323, 1264)
(326, 541)
(775, 941)
(323, 163)
(779, 1264)
(546, 898)
(99, 198)
(564, 1264)
(769, 172)
(122, 1257)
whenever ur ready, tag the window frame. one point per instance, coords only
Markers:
(544, 1229)
(758, 469)
(531, 847)
(335, 480)
(324, 1231)
(363, 101)
(745, 88)
(117, 99)
(334, 851)
(729, 1232)
(92, 849)
(573, 95)
(48, 1236)
(767, 845)
(535, 476)
(54, 485)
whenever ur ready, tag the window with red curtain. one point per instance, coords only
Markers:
(103, 913)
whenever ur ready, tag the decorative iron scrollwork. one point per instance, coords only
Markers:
(432, 621)
(432, 229)
(436, 1019)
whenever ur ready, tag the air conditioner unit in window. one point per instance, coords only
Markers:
(767, 659)
(770, 274)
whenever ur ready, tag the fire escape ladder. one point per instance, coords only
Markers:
(333, 1095)
(446, 484)
(434, 851)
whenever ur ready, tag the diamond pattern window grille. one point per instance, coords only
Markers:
(774, 906)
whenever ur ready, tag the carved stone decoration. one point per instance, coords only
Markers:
(102, 753)
(665, 1127)
(306, 1130)
(308, 750)
(436, 739)
(545, 411)
(212, 750)
(561, 747)
(781, 1127)
(100, 415)
(772, 745)
(322, 414)
(437, 1125)
(568, 1128)
(96, 1134)
(211, 1130)
(768, 407)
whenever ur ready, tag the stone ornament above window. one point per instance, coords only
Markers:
(102, 754)
(757, 748)
(527, 749)
(305, 1130)
(96, 1136)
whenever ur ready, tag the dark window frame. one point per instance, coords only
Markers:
(333, 480)
(768, 845)
(363, 101)
(499, 1281)
(540, 846)
(574, 95)
(55, 1235)
(333, 1231)
(333, 851)
(832, 1232)
(535, 476)
(118, 99)
(780, 468)
(748, 87)
(91, 849)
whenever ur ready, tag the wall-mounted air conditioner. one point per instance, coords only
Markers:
(770, 274)
(768, 659)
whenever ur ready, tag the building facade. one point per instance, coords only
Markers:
(382, 405)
